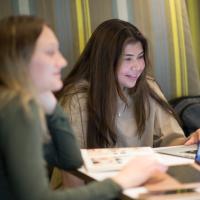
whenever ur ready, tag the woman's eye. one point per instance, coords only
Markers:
(141, 57)
(128, 59)
(50, 52)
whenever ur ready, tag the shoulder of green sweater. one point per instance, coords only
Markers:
(15, 106)
(15, 118)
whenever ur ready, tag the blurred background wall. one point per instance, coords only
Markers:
(172, 28)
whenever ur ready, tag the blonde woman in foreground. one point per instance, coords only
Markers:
(33, 126)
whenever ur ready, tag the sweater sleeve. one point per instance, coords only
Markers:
(76, 109)
(166, 126)
(21, 147)
(62, 151)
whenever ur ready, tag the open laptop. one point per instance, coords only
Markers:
(182, 151)
(187, 173)
(187, 178)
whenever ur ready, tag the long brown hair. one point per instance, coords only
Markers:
(98, 66)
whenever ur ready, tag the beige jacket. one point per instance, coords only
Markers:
(161, 128)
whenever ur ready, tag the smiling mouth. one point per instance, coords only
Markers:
(132, 77)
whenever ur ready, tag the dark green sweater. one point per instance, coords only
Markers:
(22, 166)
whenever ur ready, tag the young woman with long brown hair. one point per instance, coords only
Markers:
(110, 96)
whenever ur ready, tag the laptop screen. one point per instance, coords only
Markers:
(197, 157)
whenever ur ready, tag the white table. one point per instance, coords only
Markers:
(134, 192)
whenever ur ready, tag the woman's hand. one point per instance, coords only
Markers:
(47, 101)
(138, 171)
(193, 138)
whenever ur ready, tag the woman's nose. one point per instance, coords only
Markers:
(135, 65)
(61, 61)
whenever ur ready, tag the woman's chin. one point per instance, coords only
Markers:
(130, 85)
(57, 87)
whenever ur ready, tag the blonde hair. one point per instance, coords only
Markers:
(18, 37)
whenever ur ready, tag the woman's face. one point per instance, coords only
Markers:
(131, 65)
(47, 62)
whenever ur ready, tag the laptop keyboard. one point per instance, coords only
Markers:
(184, 173)
(186, 155)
